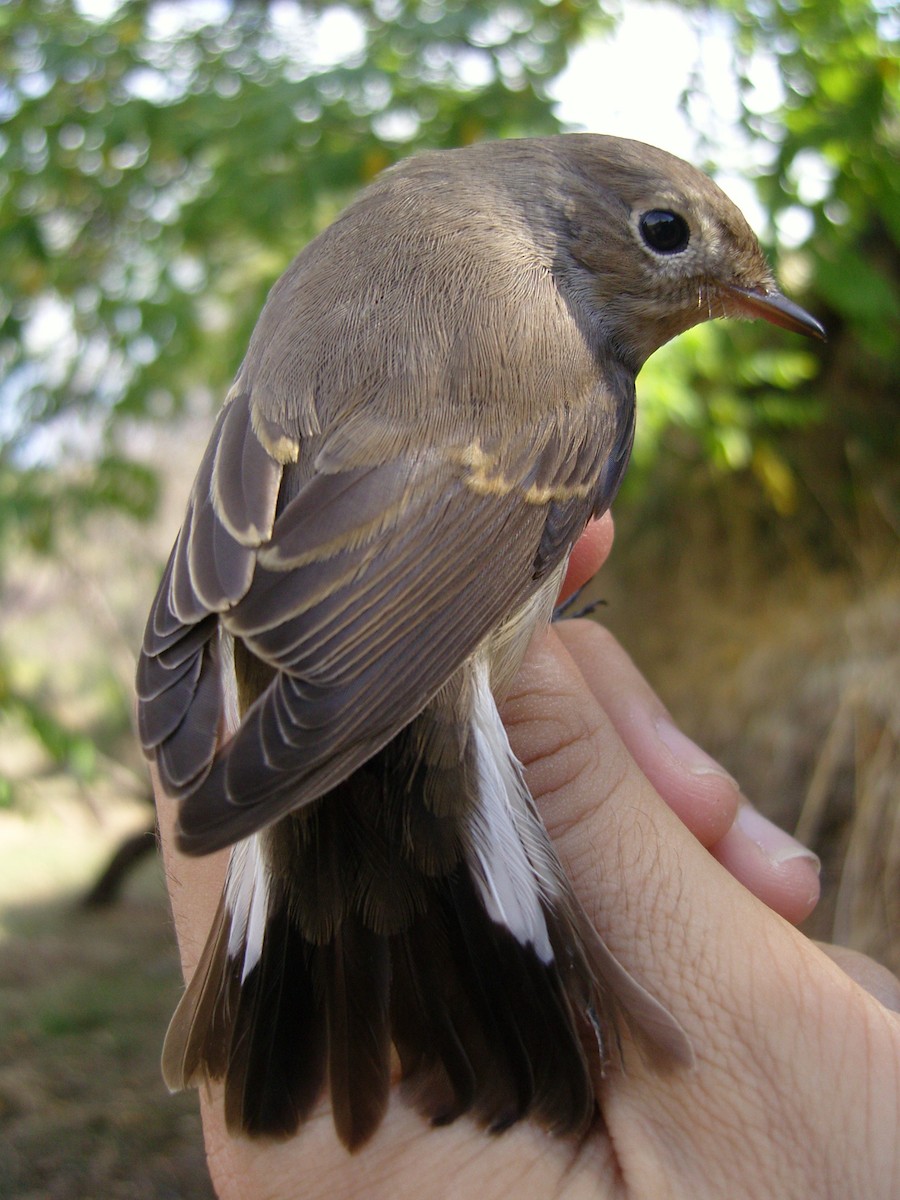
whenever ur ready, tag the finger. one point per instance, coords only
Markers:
(769, 862)
(877, 980)
(588, 555)
(194, 884)
(696, 788)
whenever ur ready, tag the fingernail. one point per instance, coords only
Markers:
(779, 847)
(688, 753)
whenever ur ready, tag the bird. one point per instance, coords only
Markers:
(438, 395)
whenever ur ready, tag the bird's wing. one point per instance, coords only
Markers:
(362, 593)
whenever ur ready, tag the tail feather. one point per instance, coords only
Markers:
(275, 1065)
(199, 1032)
(261, 1030)
(383, 914)
(524, 1013)
(437, 1038)
(457, 1039)
(355, 968)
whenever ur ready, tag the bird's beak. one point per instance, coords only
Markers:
(775, 308)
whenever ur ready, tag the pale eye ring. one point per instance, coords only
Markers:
(664, 231)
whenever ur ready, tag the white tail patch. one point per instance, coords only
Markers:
(509, 886)
(247, 901)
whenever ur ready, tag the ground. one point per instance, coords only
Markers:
(85, 996)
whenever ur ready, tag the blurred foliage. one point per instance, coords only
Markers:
(161, 161)
(735, 408)
(835, 149)
(66, 750)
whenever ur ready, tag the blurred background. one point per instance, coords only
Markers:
(160, 164)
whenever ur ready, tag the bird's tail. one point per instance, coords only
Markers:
(419, 906)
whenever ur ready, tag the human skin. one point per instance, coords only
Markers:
(796, 1089)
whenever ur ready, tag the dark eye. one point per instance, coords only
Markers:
(664, 231)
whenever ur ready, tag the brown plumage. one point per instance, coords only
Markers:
(438, 395)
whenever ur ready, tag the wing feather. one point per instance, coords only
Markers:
(245, 477)
(363, 587)
(179, 682)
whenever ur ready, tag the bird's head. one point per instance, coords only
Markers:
(656, 247)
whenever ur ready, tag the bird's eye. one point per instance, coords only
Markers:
(663, 231)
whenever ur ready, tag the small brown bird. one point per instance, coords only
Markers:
(437, 397)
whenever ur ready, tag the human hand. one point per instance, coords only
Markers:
(796, 1087)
